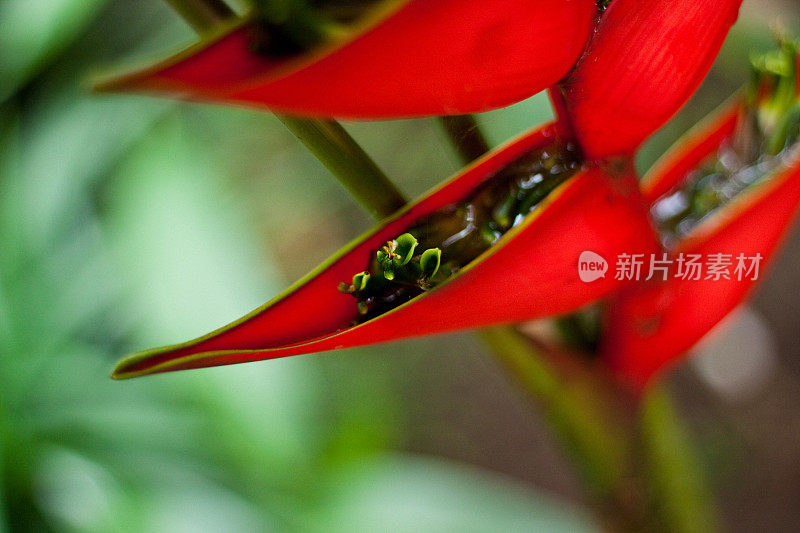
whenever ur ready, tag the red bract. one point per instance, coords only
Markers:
(422, 57)
(530, 272)
(652, 325)
(643, 63)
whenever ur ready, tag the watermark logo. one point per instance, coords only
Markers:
(688, 267)
(591, 266)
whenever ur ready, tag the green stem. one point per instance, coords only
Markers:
(354, 169)
(466, 136)
(202, 15)
(681, 498)
(326, 139)
(583, 425)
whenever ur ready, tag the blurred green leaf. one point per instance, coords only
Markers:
(32, 32)
(399, 493)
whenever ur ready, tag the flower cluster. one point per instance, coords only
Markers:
(500, 241)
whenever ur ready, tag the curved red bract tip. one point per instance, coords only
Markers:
(643, 63)
(532, 271)
(694, 147)
(653, 325)
(428, 57)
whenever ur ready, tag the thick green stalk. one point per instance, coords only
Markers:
(326, 139)
(680, 496)
(466, 136)
(580, 417)
(354, 169)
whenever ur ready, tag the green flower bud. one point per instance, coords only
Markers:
(430, 261)
(404, 249)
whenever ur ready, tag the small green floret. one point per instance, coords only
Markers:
(360, 281)
(404, 250)
(429, 262)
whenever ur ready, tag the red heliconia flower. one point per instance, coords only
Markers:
(531, 271)
(645, 60)
(409, 58)
(653, 324)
